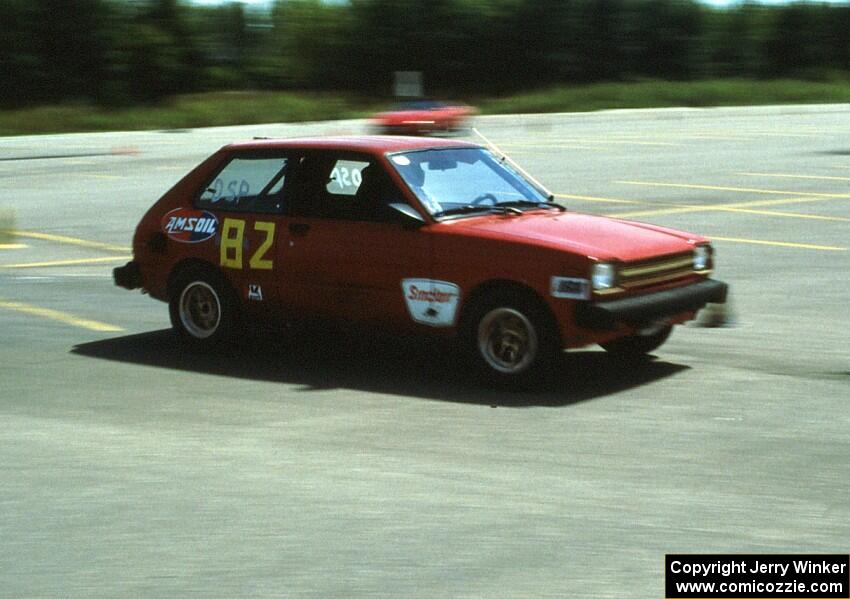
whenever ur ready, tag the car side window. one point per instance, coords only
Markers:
(247, 184)
(343, 188)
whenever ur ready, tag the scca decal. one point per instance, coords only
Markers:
(189, 226)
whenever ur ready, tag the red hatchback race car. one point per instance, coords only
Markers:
(411, 234)
(422, 117)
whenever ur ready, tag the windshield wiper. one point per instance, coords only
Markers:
(533, 204)
(470, 208)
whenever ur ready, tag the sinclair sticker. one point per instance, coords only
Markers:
(433, 303)
(189, 226)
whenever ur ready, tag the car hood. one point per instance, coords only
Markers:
(598, 237)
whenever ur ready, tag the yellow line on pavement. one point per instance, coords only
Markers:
(795, 176)
(735, 207)
(780, 202)
(672, 208)
(12, 246)
(72, 241)
(661, 211)
(736, 189)
(58, 316)
(805, 246)
(567, 196)
(743, 207)
(785, 214)
(76, 262)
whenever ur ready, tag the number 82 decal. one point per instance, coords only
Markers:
(232, 242)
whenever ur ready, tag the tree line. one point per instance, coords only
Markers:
(117, 52)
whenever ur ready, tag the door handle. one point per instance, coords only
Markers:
(299, 228)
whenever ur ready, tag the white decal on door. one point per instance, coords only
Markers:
(433, 303)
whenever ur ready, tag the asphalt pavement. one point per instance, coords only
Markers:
(339, 466)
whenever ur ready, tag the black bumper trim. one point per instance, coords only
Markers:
(128, 276)
(652, 306)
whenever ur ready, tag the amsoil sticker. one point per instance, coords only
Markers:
(430, 302)
(189, 226)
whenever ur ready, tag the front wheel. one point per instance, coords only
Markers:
(511, 340)
(202, 308)
(638, 345)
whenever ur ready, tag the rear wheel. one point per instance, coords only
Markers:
(638, 345)
(203, 308)
(510, 339)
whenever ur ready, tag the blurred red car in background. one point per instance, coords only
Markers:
(422, 117)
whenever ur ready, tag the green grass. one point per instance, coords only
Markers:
(239, 108)
(188, 111)
(656, 94)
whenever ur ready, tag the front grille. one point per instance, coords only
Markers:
(656, 270)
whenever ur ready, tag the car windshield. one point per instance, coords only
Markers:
(419, 105)
(463, 181)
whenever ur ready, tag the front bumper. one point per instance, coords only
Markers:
(635, 311)
(128, 276)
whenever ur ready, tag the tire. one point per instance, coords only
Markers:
(637, 346)
(511, 339)
(203, 308)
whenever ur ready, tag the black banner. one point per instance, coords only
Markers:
(754, 576)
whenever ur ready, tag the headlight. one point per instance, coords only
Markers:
(603, 276)
(702, 257)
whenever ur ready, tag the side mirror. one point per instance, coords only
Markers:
(406, 215)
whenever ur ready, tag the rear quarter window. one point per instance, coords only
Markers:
(246, 184)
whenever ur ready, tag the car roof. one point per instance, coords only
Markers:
(371, 144)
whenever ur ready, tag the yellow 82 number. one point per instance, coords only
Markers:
(232, 237)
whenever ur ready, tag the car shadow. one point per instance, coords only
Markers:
(410, 366)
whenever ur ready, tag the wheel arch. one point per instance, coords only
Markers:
(193, 264)
(508, 287)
